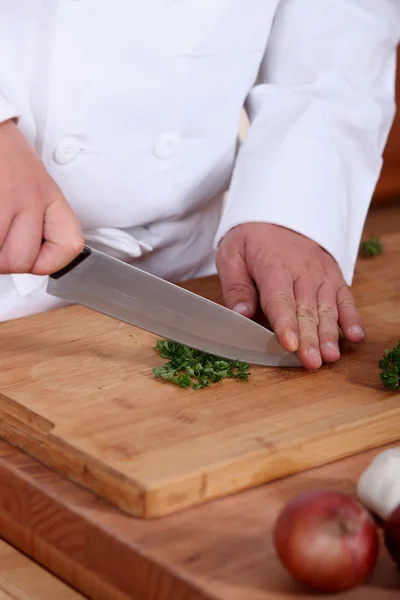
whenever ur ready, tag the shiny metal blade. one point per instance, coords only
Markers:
(119, 290)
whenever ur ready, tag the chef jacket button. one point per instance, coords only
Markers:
(167, 145)
(66, 150)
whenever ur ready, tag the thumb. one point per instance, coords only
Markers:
(238, 289)
(63, 238)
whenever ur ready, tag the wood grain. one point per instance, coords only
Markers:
(217, 551)
(78, 393)
(22, 579)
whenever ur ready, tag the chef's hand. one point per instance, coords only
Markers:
(32, 209)
(301, 289)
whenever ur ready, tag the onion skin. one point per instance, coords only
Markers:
(391, 530)
(327, 541)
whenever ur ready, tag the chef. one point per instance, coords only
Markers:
(119, 123)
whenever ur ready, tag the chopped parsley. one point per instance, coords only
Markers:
(371, 247)
(390, 365)
(190, 368)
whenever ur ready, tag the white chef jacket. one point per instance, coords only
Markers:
(134, 109)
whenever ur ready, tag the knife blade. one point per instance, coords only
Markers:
(120, 290)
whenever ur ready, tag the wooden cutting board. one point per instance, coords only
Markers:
(78, 393)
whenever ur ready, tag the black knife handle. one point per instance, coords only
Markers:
(74, 263)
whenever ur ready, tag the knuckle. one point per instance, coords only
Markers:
(343, 290)
(308, 312)
(345, 298)
(75, 245)
(346, 304)
(328, 312)
(282, 299)
(238, 290)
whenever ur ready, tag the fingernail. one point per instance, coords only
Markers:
(331, 345)
(356, 329)
(294, 337)
(313, 352)
(241, 308)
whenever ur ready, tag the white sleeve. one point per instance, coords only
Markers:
(320, 117)
(7, 110)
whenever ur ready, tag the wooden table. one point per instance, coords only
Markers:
(22, 579)
(220, 551)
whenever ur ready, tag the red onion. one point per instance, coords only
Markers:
(327, 540)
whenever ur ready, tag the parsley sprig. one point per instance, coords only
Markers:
(371, 247)
(390, 365)
(190, 368)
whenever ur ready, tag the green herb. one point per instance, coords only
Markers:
(371, 247)
(390, 365)
(189, 368)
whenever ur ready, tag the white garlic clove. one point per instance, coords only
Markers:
(379, 485)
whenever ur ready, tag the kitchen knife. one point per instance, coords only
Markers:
(117, 289)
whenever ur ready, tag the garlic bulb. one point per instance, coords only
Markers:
(379, 485)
